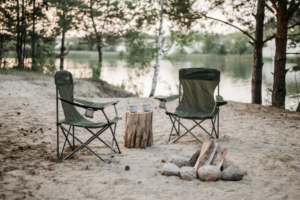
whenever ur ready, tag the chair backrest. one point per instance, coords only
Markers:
(198, 85)
(64, 84)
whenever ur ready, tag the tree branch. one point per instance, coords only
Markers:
(274, 5)
(244, 32)
(269, 38)
(293, 9)
(273, 36)
(267, 6)
(293, 34)
(293, 53)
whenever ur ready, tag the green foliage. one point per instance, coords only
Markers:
(235, 43)
(16, 22)
(106, 23)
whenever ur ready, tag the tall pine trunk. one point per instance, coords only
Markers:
(258, 44)
(279, 90)
(33, 38)
(159, 55)
(19, 37)
(62, 50)
(1, 49)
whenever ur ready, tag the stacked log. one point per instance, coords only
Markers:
(209, 163)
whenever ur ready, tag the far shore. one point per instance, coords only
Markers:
(178, 57)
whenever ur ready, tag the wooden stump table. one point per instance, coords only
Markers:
(138, 129)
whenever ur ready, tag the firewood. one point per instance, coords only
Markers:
(219, 157)
(193, 159)
(208, 150)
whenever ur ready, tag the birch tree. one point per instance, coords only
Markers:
(159, 53)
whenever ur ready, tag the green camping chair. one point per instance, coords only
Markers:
(64, 86)
(197, 102)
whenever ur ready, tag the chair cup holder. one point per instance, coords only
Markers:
(161, 104)
(89, 112)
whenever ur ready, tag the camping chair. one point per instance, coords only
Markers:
(197, 102)
(64, 86)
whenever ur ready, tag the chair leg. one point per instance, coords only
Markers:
(213, 122)
(66, 136)
(185, 133)
(57, 140)
(170, 133)
(173, 126)
(178, 132)
(112, 144)
(114, 138)
(203, 128)
(192, 127)
(73, 138)
(80, 146)
(72, 146)
(92, 138)
(217, 136)
(66, 140)
(63, 148)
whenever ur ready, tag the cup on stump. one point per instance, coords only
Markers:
(146, 107)
(132, 108)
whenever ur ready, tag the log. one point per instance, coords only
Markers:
(219, 156)
(138, 129)
(193, 159)
(207, 153)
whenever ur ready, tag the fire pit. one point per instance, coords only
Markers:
(207, 164)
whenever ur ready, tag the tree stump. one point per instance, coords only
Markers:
(138, 129)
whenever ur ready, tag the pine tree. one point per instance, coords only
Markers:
(105, 24)
(69, 13)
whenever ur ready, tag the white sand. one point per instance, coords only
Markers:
(263, 141)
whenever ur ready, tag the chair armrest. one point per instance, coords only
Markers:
(96, 106)
(168, 99)
(78, 105)
(220, 101)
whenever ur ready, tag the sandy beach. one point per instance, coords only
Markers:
(263, 141)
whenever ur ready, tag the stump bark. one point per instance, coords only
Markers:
(138, 129)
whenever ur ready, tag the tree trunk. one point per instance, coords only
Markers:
(256, 82)
(279, 90)
(33, 37)
(19, 40)
(99, 53)
(159, 54)
(1, 49)
(24, 33)
(62, 50)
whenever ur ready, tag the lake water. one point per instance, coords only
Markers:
(235, 82)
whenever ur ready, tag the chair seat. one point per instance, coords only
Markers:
(194, 114)
(89, 124)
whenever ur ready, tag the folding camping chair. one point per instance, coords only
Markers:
(197, 102)
(64, 86)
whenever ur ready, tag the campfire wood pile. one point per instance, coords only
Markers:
(208, 164)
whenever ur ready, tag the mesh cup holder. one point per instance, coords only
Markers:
(162, 104)
(89, 112)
